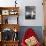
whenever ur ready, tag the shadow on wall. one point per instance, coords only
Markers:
(37, 29)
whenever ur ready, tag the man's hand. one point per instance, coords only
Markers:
(31, 41)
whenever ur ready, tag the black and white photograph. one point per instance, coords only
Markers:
(30, 12)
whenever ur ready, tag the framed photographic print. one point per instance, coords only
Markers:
(5, 12)
(5, 20)
(13, 12)
(12, 20)
(6, 34)
(30, 12)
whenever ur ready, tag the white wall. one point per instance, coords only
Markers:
(39, 16)
(22, 3)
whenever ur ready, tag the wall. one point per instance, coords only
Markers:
(39, 14)
(39, 11)
(44, 12)
(45, 21)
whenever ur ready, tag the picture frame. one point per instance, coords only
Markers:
(5, 12)
(9, 34)
(30, 12)
(10, 19)
(13, 19)
(13, 12)
(6, 34)
(5, 20)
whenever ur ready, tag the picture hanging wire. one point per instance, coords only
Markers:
(15, 3)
